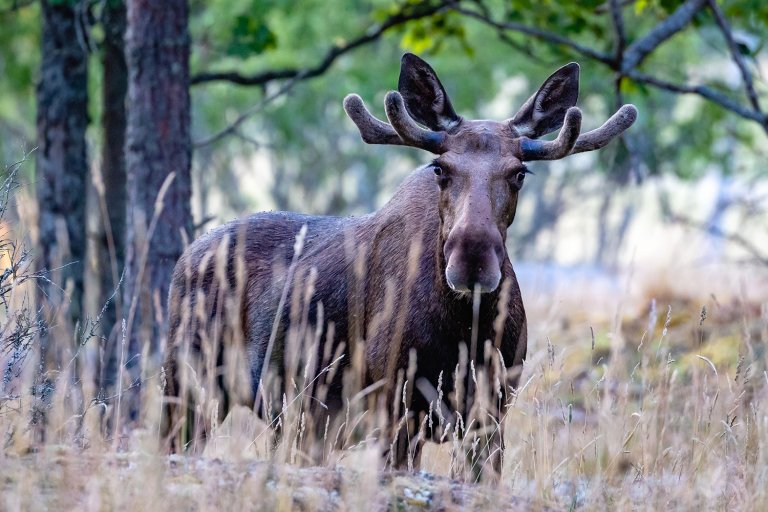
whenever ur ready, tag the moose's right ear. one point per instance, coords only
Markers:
(544, 112)
(424, 96)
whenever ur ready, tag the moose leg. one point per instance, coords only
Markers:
(405, 451)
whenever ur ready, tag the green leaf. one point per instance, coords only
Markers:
(250, 36)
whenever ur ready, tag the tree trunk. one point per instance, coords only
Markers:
(158, 148)
(110, 244)
(62, 118)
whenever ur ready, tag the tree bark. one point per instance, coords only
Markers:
(62, 118)
(158, 147)
(110, 244)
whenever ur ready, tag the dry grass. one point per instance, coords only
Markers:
(660, 408)
(644, 401)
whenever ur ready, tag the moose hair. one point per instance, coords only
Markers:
(415, 305)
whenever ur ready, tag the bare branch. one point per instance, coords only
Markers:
(619, 31)
(637, 51)
(544, 35)
(232, 128)
(620, 45)
(725, 28)
(718, 232)
(416, 12)
(602, 9)
(674, 23)
(703, 91)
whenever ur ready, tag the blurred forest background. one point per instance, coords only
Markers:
(136, 128)
(128, 128)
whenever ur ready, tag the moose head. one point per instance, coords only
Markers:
(480, 165)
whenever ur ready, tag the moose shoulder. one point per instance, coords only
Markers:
(409, 293)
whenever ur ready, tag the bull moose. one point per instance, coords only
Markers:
(393, 303)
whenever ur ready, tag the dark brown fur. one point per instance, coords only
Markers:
(395, 282)
(436, 322)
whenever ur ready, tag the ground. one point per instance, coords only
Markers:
(646, 399)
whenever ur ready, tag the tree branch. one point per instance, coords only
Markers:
(703, 91)
(234, 126)
(417, 12)
(637, 51)
(725, 28)
(674, 23)
(538, 33)
(718, 232)
(620, 45)
(619, 31)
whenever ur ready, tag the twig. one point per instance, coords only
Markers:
(544, 35)
(674, 23)
(718, 232)
(419, 11)
(298, 75)
(233, 127)
(703, 91)
(123, 338)
(725, 28)
(618, 27)
(634, 54)
(602, 9)
(620, 45)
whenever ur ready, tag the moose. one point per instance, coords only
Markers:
(399, 298)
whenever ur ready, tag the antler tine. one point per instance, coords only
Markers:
(558, 148)
(612, 128)
(372, 129)
(406, 127)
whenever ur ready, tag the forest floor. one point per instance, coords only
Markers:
(134, 481)
(650, 400)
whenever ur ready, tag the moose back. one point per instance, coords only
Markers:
(413, 310)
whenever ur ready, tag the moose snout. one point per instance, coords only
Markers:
(472, 259)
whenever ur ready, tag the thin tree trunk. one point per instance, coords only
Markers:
(62, 118)
(112, 189)
(157, 146)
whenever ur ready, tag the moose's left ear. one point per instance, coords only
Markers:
(544, 112)
(424, 95)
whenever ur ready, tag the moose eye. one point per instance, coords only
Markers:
(517, 181)
(442, 177)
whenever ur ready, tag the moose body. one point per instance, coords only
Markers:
(436, 320)
(427, 275)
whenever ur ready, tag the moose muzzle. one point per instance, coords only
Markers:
(473, 258)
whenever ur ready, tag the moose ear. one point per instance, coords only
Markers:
(544, 112)
(424, 95)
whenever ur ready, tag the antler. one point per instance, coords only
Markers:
(372, 129)
(612, 128)
(406, 127)
(569, 142)
(558, 148)
(402, 131)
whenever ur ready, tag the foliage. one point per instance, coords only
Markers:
(606, 427)
(19, 60)
(311, 152)
(310, 141)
